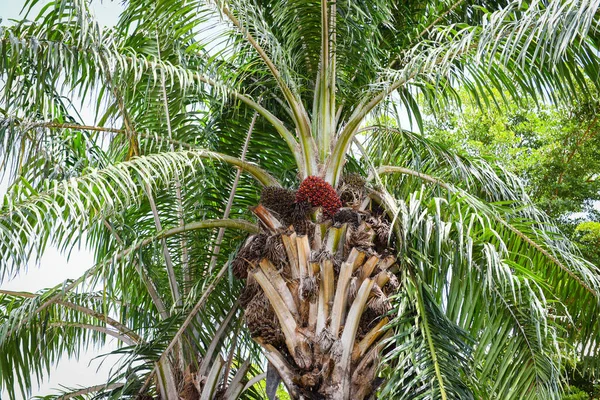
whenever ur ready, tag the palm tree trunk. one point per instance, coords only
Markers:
(316, 302)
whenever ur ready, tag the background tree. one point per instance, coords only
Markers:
(553, 149)
(491, 300)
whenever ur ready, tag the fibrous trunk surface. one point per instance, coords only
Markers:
(316, 294)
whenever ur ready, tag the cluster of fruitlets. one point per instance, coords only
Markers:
(319, 194)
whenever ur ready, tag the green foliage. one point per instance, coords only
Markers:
(580, 385)
(573, 393)
(590, 232)
(554, 149)
(282, 394)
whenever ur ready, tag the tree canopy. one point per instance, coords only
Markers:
(552, 148)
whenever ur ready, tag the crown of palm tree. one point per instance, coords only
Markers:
(493, 299)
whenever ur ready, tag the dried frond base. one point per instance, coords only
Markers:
(302, 286)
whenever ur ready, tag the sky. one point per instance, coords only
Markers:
(55, 267)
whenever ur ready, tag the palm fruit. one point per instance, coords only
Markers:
(252, 251)
(277, 199)
(319, 194)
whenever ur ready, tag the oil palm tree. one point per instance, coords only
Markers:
(255, 202)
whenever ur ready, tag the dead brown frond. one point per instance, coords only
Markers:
(352, 189)
(347, 216)
(249, 291)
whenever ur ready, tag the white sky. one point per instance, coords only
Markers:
(55, 267)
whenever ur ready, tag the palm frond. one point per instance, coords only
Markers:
(33, 341)
(535, 48)
(475, 283)
(493, 298)
(431, 355)
(52, 214)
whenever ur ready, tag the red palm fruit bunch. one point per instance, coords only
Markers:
(319, 194)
